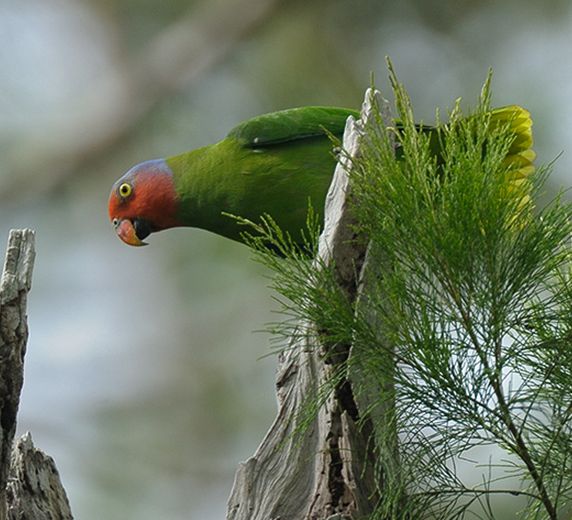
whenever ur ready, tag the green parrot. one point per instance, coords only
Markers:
(272, 164)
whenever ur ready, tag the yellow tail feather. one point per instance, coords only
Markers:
(521, 156)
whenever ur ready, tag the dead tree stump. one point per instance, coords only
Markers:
(326, 474)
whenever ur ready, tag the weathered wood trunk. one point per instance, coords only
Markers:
(30, 488)
(326, 473)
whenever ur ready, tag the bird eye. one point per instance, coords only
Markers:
(115, 222)
(125, 190)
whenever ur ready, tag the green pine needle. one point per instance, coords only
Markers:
(463, 337)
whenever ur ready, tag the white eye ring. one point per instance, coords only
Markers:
(115, 222)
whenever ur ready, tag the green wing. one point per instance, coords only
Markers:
(291, 125)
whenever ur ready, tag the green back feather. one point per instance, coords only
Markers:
(291, 125)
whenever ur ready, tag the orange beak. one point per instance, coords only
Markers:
(126, 231)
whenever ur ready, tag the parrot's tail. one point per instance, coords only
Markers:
(521, 156)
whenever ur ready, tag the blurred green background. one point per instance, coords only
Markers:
(145, 379)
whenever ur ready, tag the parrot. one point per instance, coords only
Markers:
(274, 164)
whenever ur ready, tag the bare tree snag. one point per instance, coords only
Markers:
(35, 491)
(14, 286)
(29, 483)
(327, 473)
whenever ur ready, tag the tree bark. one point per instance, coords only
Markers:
(35, 491)
(14, 286)
(327, 471)
(30, 488)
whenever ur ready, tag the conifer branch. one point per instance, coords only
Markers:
(460, 336)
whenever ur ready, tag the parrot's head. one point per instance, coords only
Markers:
(143, 201)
